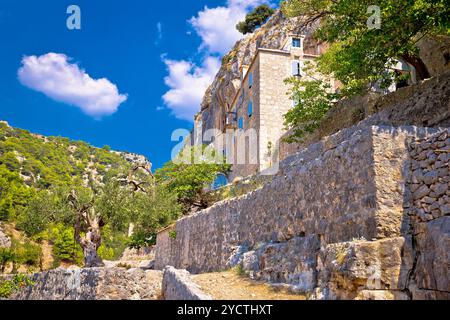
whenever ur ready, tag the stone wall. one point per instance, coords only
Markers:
(350, 186)
(430, 212)
(94, 284)
(342, 226)
(178, 285)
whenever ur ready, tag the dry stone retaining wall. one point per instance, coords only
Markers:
(333, 222)
(93, 284)
(429, 184)
(178, 285)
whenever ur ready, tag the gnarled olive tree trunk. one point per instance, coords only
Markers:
(92, 239)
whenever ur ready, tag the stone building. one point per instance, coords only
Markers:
(247, 130)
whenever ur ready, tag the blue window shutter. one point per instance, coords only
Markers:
(250, 109)
(296, 43)
(241, 123)
(250, 80)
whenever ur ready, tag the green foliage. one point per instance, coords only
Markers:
(190, 173)
(360, 55)
(52, 161)
(8, 287)
(65, 247)
(255, 19)
(142, 239)
(36, 176)
(14, 194)
(28, 254)
(113, 245)
(312, 101)
(173, 235)
(7, 255)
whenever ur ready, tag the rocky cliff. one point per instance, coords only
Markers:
(5, 241)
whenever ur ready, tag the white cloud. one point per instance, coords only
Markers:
(217, 29)
(217, 26)
(53, 75)
(187, 83)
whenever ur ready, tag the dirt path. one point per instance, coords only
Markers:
(231, 286)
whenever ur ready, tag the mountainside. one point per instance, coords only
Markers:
(31, 164)
(44, 161)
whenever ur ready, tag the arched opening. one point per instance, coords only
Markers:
(220, 181)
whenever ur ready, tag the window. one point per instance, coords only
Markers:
(241, 123)
(250, 80)
(250, 109)
(296, 68)
(296, 42)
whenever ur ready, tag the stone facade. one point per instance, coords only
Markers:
(338, 227)
(254, 71)
(93, 284)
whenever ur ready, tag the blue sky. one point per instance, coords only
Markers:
(133, 74)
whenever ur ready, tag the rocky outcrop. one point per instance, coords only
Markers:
(5, 241)
(136, 159)
(93, 284)
(178, 285)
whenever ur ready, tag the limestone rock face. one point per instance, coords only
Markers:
(346, 268)
(94, 284)
(5, 241)
(360, 215)
(435, 53)
(292, 262)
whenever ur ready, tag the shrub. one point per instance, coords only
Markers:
(29, 254)
(255, 19)
(8, 287)
(65, 247)
(6, 256)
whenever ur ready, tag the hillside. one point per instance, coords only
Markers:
(32, 164)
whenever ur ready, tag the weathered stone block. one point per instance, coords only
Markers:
(178, 285)
(292, 262)
(433, 262)
(361, 265)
